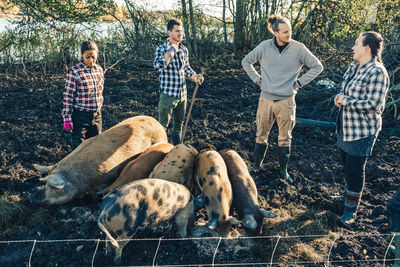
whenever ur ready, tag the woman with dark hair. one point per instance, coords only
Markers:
(83, 96)
(361, 103)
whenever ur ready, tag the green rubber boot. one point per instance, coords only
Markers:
(259, 155)
(283, 157)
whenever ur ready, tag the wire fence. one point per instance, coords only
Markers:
(327, 262)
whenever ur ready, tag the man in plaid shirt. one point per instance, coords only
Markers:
(172, 64)
(83, 96)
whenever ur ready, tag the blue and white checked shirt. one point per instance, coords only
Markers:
(364, 100)
(172, 76)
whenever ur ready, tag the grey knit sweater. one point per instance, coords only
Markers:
(280, 71)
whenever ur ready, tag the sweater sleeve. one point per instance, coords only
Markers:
(311, 61)
(251, 58)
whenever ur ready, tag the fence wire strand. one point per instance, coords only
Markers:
(327, 263)
(155, 254)
(30, 256)
(95, 251)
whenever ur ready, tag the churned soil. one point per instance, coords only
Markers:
(305, 232)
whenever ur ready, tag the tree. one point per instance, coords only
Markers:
(193, 27)
(240, 23)
(224, 21)
(51, 11)
(185, 22)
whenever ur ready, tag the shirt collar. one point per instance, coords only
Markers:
(84, 66)
(277, 45)
(180, 45)
(365, 66)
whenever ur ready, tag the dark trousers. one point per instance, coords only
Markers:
(85, 125)
(169, 106)
(354, 171)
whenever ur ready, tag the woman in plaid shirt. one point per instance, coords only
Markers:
(361, 103)
(83, 96)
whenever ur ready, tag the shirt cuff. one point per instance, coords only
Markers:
(67, 117)
(345, 101)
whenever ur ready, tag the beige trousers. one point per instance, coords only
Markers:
(283, 111)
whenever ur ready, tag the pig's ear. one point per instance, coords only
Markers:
(234, 221)
(267, 214)
(43, 169)
(56, 181)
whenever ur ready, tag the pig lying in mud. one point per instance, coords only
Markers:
(244, 193)
(144, 204)
(97, 162)
(212, 178)
(141, 167)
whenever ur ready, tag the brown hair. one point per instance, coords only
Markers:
(375, 41)
(88, 45)
(274, 21)
(172, 22)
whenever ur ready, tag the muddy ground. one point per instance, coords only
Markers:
(305, 233)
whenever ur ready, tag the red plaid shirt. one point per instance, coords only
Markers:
(83, 90)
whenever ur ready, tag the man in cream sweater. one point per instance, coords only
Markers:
(281, 60)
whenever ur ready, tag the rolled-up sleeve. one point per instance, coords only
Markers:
(159, 61)
(68, 95)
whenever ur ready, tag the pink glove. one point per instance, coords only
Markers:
(67, 125)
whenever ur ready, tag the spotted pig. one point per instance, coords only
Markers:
(212, 178)
(144, 204)
(244, 193)
(177, 166)
(97, 162)
(141, 167)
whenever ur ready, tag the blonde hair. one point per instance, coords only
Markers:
(274, 21)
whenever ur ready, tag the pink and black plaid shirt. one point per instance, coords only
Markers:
(83, 90)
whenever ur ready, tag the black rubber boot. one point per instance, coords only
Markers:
(348, 217)
(283, 157)
(176, 138)
(259, 154)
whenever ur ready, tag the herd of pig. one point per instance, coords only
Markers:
(149, 181)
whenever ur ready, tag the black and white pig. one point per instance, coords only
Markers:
(245, 199)
(144, 204)
(212, 178)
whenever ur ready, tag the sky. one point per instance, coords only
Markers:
(209, 7)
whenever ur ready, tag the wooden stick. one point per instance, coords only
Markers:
(190, 108)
